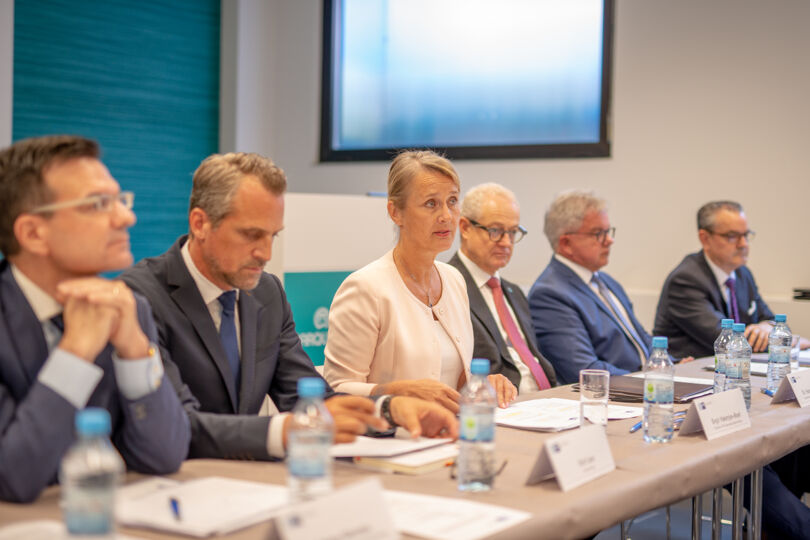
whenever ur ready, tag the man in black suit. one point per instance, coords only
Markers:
(226, 329)
(714, 284)
(490, 228)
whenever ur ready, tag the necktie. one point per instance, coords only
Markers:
(54, 335)
(734, 312)
(59, 323)
(617, 313)
(514, 335)
(227, 333)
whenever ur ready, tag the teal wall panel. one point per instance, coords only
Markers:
(141, 77)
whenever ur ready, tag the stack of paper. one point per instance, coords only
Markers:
(553, 414)
(406, 456)
(206, 506)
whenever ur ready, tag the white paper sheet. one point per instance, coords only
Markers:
(443, 518)
(383, 446)
(553, 414)
(208, 506)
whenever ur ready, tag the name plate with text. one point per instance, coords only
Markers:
(717, 415)
(356, 512)
(575, 458)
(794, 386)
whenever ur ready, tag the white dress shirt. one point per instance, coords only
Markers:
(721, 278)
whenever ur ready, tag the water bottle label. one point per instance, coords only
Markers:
(89, 512)
(478, 427)
(720, 363)
(734, 368)
(658, 391)
(780, 355)
(308, 460)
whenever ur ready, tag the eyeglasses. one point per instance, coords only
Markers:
(496, 233)
(103, 202)
(600, 236)
(734, 237)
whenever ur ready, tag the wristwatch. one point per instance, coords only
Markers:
(385, 411)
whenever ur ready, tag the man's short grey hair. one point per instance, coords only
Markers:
(707, 215)
(219, 176)
(475, 198)
(567, 211)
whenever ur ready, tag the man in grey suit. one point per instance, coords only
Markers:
(70, 338)
(490, 228)
(714, 284)
(226, 329)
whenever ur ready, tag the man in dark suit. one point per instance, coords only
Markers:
(582, 317)
(71, 339)
(226, 329)
(490, 228)
(714, 284)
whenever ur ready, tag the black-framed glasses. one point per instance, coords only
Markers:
(600, 236)
(496, 233)
(734, 237)
(102, 202)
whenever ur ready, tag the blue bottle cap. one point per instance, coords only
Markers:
(739, 327)
(780, 318)
(310, 387)
(93, 421)
(660, 342)
(727, 323)
(479, 366)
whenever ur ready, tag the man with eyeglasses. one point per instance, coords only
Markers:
(70, 338)
(714, 284)
(582, 317)
(490, 228)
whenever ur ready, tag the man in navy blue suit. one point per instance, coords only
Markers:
(70, 338)
(582, 317)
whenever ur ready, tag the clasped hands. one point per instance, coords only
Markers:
(98, 311)
(438, 392)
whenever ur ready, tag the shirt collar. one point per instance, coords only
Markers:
(208, 290)
(479, 276)
(718, 272)
(583, 273)
(44, 305)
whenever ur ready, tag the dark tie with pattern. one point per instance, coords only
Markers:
(732, 300)
(227, 333)
(514, 335)
(617, 312)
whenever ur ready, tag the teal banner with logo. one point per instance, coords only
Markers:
(310, 295)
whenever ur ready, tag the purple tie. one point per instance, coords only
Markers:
(732, 299)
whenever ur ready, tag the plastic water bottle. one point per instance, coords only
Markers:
(476, 458)
(779, 344)
(309, 464)
(659, 391)
(721, 353)
(738, 364)
(89, 474)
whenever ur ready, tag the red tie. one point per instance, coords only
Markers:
(514, 335)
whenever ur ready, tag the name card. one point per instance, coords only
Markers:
(717, 415)
(356, 512)
(794, 386)
(575, 458)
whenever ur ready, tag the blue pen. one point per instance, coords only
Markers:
(769, 392)
(175, 505)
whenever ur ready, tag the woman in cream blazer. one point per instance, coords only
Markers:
(401, 325)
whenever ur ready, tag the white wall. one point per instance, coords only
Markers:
(6, 69)
(709, 101)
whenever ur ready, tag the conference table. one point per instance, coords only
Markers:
(647, 476)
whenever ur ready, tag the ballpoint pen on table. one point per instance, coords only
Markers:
(174, 503)
(677, 417)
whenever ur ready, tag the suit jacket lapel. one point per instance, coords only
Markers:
(717, 294)
(188, 298)
(248, 319)
(522, 318)
(478, 305)
(28, 343)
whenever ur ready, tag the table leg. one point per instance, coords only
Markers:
(737, 509)
(756, 504)
(697, 513)
(717, 513)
